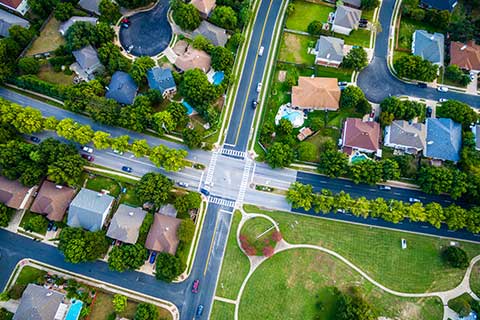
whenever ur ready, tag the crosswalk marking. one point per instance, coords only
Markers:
(235, 153)
(211, 168)
(244, 183)
(222, 202)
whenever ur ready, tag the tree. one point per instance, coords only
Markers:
(101, 140)
(83, 135)
(353, 306)
(459, 112)
(120, 143)
(222, 58)
(202, 43)
(140, 67)
(366, 171)
(369, 4)
(127, 257)
(390, 169)
(168, 267)
(4, 215)
(173, 160)
(146, 311)
(67, 169)
(119, 302)
(456, 257)
(279, 155)
(434, 213)
(186, 16)
(42, 7)
(187, 202)
(414, 67)
(21, 36)
(163, 122)
(356, 59)
(63, 11)
(186, 230)
(79, 245)
(300, 195)
(154, 188)
(37, 224)
(196, 89)
(79, 35)
(332, 162)
(28, 121)
(192, 138)
(28, 65)
(224, 17)
(455, 74)
(235, 41)
(307, 151)
(109, 11)
(178, 113)
(140, 148)
(111, 57)
(352, 98)
(315, 27)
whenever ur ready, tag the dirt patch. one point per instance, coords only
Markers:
(282, 74)
(294, 46)
(49, 39)
(410, 310)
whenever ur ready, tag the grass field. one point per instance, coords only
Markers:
(222, 311)
(306, 12)
(408, 27)
(48, 74)
(294, 48)
(289, 285)
(254, 229)
(360, 37)
(130, 197)
(29, 275)
(339, 73)
(376, 251)
(49, 39)
(475, 279)
(100, 183)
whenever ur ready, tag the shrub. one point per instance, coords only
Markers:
(456, 257)
(268, 251)
(277, 236)
(16, 291)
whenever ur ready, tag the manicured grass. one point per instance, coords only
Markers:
(288, 286)
(408, 27)
(360, 37)
(398, 54)
(294, 48)
(376, 251)
(306, 12)
(335, 118)
(235, 264)
(49, 40)
(222, 311)
(255, 230)
(100, 183)
(48, 74)
(29, 275)
(322, 136)
(130, 196)
(475, 279)
(368, 14)
(340, 73)
(27, 216)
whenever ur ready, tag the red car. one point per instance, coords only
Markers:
(195, 285)
(88, 157)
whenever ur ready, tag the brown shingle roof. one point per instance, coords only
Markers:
(162, 236)
(361, 135)
(11, 3)
(466, 56)
(12, 193)
(316, 93)
(193, 58)
(204, 6)
(52, 201)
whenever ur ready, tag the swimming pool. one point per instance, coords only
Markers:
(295, 117)
(188, 106)
(218, 77)
(357, 157)
(74, 310)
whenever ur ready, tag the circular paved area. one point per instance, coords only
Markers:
(149, 32)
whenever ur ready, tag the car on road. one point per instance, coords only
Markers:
(87, 149)
(117, 151)
(35, 139)
(442, 89)
(183, 184)
(127, 169)
(254, 104)
(88, 157)
(205, 191)
(195, 285)
(125, 23)
(342, 83)
(442, 100)
(429, 112)
(259, 87)
(422, 85)
(260, 51)
(200, 310)
(413, 200)
(382, 187)
(152, 257)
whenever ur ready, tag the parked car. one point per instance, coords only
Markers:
(200, 310)
(442, 100)
(363, 20)
(152, 257)
(382, 187)
(404, 244)
(429, 112)
(341, 211)
(50, 226)
(183, 184)
(442, 89)
(55, 227)
(127, 169)
(195, 285)
(473, 75)
(422, 85)
(87, 149)
(117, 151)
(363, 25)
(205, 191)
(87, 157)
(342, 83)
(35, 139)
(259, 87)
(413, 200)
(260, 51)
(254, 104)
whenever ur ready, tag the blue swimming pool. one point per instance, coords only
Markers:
(218, 77)
(74, 310)
(358, 157)
(188, 106)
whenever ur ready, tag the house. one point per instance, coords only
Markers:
(162, 236)
(39, 303)
(126, 223)
(360, 136)
(193, 58)
(8, 20)
(162, 80)
(346, 19)
(444, 139)
(13, 194)
(122, 88)
(216, 35)
(89, 209)
(466, 56)
(20, 6)
(87, 63)
(52, 200)
(316, 93)
(329, 51)
(64, 26)
(90, 6)
(353, 3)
(410, 138)
(448, 5)
(204, 7)
(168, 210)
(429, 46)
(476, 133)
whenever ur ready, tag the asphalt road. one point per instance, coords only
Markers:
(378, 83)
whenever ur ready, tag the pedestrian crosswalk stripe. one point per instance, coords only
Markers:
(222, 202)
(234, 153)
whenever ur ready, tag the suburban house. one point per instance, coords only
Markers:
(439, 4)
(192, 58)
(360, 136)
(204, 7)
(444, 139)
(20, 6)
(353, 3)
(125, 224)
(476, 133)
(90, 5)
(346, 19)
(466, 56)
(429, 46)
(162, 80)
(329, 51)
(64, 26)
(8, 20)
(162, 236)
(216, 35)
(89, 209)
(168, 210)
(316, 94)
(13, 194)
(40, 303)
(52, 200)
(401, 135)
(122, 88)
(87, 63)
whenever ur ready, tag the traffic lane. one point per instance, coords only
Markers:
(208, 259)
(405, 225)
(20, 247)
(384, 17)
(336, 185)
(267, 200)
(278, 178)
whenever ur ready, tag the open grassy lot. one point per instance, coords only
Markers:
(376, 251)
(408, 27)
(340, 73)
(360, 37)
(48, 74)
(100, 183)
(255, 230)
(49, 39)
(222, 311)
(306, 12)
(294, 48)
(475, 279)
(289, 285)
(235, 264)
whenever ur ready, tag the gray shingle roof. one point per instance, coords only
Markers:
(428, 46)
(217, 36)
(329, 48)
(64, 26)
(407, 135)
(87, 58)
(126, 223)
(444, 139)
(347, 17)
(90, 5)
(122, 88)
(38, 303)
(8, 20)
(354, 3)
(160, 79)
(89, 209)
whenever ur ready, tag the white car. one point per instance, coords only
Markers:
(117, 151)
(183, 184)
(87, 149)
(413, 200)
(442, 100)
(260, 51)
(259, 87)
(442, 89)
(472, 76)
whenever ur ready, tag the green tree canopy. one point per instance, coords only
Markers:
(154, 188)
(279, 155)
(224, 17)
(186, 16)
(356, 59)
(168, 267)
(414, 67)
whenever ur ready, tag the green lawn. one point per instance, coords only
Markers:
(306, 12)
(235, 264)
(294, 48)
(340, 73)
(27, 216)
(100, 183)
(360, 37)
(289, 285)
(336, 118)
(398, 54)
(475, 279)
(322, 136)
(376, 251)
(29, 275)
(222, 311)
(254, 230)
(48, 74)
(130, 196)
(408, 27)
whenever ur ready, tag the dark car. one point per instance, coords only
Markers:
(363, 20)
(50, 226)
(35, 139)
(342, 83)
(199, 310)
(87, 157)
(362, 25)
(429, 112)
(127, 169)
(254, 104)
(422, 85)
(195, 285)
(55, 227)
(205, 191)
(152, 257)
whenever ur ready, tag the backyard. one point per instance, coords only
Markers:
(407, 28)
(360, 37)
(340, 73)
(99, 183)
(48, 74)
(306, 12)
(294, 49)
(103, 307)
(49, 39)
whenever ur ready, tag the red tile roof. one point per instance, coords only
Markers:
(361, 135)
(466, 56)
(11, 3)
